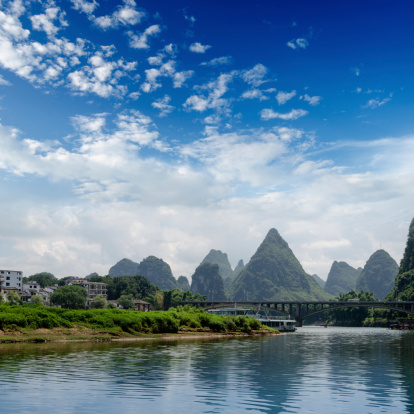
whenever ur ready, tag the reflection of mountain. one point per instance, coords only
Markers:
(323, 370)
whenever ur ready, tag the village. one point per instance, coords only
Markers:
(12, 284)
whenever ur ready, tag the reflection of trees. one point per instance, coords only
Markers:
(329, 367)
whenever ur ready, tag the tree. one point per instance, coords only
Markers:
(13, 297)
(44, 279)
(99, 302)
(126, 301)
(38, 299)
(71, 297)
(353, 316)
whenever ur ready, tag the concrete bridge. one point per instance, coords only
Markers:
(300, 310)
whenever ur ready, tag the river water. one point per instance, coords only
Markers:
(315, 370)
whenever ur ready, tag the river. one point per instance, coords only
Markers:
(315, 370)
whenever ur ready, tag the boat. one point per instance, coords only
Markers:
(281, 323)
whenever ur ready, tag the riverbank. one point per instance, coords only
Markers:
(83, 334)
(34, 323)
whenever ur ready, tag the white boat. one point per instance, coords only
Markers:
(281, 323)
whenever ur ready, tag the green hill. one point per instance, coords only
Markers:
(207, 280)
(274, 273)
(341, 278)
(319, 281)
(404, 282)
(183, 284)
(124, 267)
(378, 275)
(157, 272)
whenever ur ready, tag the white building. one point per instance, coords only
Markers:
(12, 279)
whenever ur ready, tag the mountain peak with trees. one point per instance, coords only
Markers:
(124, 267)
(378, 275)
(404, 282)
(342, 278)
(157, 272)
(274, 273)
(208, 281)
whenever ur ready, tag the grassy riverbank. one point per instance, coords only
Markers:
(36, 323)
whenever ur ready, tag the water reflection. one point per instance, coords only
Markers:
(314, 370)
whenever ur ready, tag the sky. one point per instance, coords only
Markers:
(135, 128)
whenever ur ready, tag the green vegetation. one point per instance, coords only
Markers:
(13, 297)
(37, 299)
(99, 302)
(354, 316)
(319, 281)
(44, 279)
(183, 284)
(121, 322)
(157, 272)
(341, 278)
(207, 281)
(126, 301)
(378, 275)
(124, 267)
(71, 297)
(404, 282)
(274, 273)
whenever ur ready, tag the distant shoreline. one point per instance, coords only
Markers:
(58, 335)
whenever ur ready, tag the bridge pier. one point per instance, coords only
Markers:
(298, 323)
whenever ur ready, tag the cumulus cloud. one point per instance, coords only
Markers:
(214, 100)
(125, 15)
(141, 41)
(294, 114)
(224, 60)
(255, 76)
(199, 48)
(254, 94)
(299, 43)
(312, 100)
(163, 104)
(87, 7)
(283, 97)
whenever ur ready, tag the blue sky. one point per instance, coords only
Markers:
(132, 128)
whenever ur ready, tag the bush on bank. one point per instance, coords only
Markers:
(171, 321)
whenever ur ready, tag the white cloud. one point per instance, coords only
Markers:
(181, 77)
(141, 41)
(299, 43)
(163, 104)
(376, 103)
(125, 15)
(199, 48)
(294, 114)
(255, 76)
(214, 99)
(254, 94)
(87, 7)
(283, 97)
(313, 100)
(4, 82)
(224, 60)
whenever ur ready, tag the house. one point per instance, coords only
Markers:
(12, 279)
(93, 288)
(139, 305)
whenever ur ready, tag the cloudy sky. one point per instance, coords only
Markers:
(130, 129)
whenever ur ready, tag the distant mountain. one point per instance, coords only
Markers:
(183, 284)
(207, 280)
(91, 275)
(238, 268)
(378, 275)
(319, 281)
(219, 258)
(404, 282)
(124, 267)
(341, 278)
(274, 273)
(157, 272)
